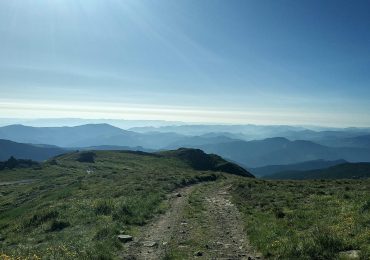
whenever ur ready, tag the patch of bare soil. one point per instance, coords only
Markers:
(228, 239)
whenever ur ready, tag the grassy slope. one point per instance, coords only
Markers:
(66, 212)
(306, 219)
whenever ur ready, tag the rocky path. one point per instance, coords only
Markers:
(201, 222)
(154, 238)
(228, 240)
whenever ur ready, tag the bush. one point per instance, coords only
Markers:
(40, 218)
(88, 157)
(279, 213)
(104, 207)
(365, 207)
(58, 225)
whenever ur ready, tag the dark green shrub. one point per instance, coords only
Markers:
(279, 213)
(58, 225)
(104, 207)
(40, 218)
(88, 157)
(365, 207)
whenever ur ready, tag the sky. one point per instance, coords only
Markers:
(248, 61)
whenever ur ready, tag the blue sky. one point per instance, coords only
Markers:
(264, 62)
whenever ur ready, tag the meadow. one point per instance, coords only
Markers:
(314, 219)
(67, 209)
(75, 206)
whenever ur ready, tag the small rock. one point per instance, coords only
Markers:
(178, 195)
(125, 238)
(164, 243)
(219, 243)
(351, 254)
(150, 244)
(184, 223)
(198, 253)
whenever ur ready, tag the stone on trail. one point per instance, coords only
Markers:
(150, 244)
(125, 238)
(351, 254)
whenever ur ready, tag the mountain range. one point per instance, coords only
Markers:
(231, 145)
(340, 171)
(276, 151)
(303, 166)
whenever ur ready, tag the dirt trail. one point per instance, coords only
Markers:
(214, 232)
(152, 243)
(228, 239)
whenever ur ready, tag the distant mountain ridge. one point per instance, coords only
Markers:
(252, 154)
(303, 166)
(277, 151)
(27, 151)
(95, 135)
(341, 171)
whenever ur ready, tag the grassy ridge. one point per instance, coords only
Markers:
(70, 209)
(306, 219)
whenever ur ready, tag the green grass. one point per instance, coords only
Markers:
(67, 212)
(72, 209)
(306, 219)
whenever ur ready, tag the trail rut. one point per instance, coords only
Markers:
(215, 232)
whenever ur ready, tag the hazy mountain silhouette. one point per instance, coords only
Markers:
(341, 171)
(86, 135)
(303, 166)
(276, 151)
(27, 151)
(257, 153)
(194, 141)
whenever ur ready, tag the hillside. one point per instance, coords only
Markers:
(201, 161)
(27, 151)
(75, 207)
(341, 171)
(90, 204)
(13, 163)
(304, 166)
